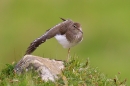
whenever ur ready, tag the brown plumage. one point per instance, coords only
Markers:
(68, 29)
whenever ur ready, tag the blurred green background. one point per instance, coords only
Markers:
(105, 23)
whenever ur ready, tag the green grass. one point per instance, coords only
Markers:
(74, 74)
(105, 24)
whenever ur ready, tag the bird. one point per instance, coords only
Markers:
(67, 33)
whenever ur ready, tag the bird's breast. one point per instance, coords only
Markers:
(64, 42)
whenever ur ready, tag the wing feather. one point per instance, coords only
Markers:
(35, 44)
(58, 29)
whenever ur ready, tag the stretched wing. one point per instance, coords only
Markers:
(58, 29)
(35, 44)
(62, 19)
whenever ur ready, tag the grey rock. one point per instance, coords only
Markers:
(48, 69)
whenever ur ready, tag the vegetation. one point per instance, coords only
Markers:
(74, 74)
(105, 24)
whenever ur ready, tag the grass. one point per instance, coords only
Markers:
(75, 73)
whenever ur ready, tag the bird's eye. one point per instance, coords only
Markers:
(75, 26)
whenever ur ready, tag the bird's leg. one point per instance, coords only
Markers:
(68, 56)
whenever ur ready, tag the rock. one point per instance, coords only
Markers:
(48, 69)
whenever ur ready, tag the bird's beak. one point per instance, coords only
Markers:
(80, 29)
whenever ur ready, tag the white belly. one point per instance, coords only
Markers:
(64, 42)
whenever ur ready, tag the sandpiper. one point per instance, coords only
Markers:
(68, 34)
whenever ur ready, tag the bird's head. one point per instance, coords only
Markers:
(76, 27)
